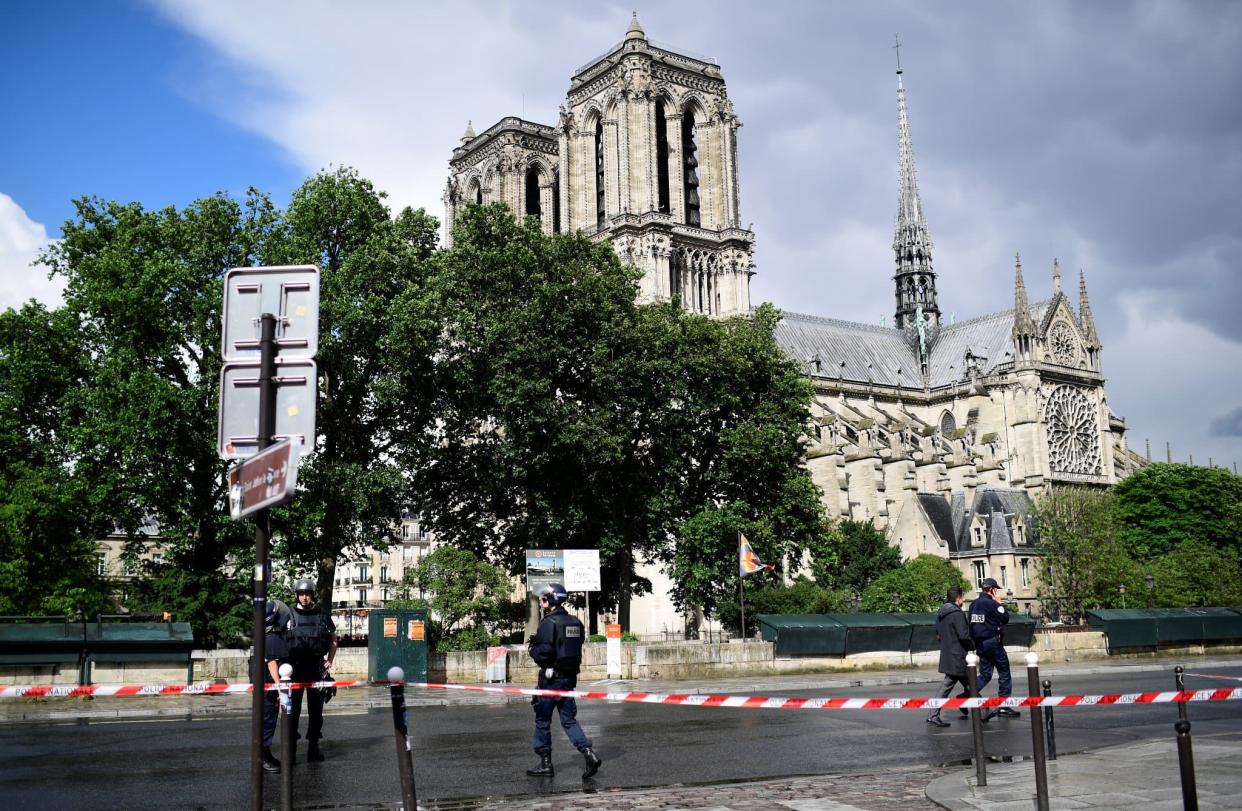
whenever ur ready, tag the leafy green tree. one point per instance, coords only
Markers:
(919, 584)
(470, 598)
(373, 272)
(47, 535)
(1195, 573)
(803, 596)
(1162, 506)
(856, 554)
(572, 417)
(143, 290)
(1082, 561)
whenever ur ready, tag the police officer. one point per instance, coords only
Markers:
(276, 623)
(988, 619)
(312, 649)
(557, 648)
(954, 636)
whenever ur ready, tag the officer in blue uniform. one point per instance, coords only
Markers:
(276, 623)
(557, 648)
(988, 619)
(312, 649)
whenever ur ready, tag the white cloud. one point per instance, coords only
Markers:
(1092, 134)
(21, 239)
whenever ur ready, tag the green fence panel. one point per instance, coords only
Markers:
(803, 634)
(1126, 628)
(865, 633)
(1219, 623)
(24, 643)
(922, 631)
(1020, 630)
(397, 637)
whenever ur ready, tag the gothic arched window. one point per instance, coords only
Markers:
(947, 423)
(689, 151)
(533, 206)
(556, 204)
(600, 212)
(661, 133)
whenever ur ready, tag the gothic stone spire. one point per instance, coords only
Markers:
(912, 245)
(1023, 324)
(1084, 312)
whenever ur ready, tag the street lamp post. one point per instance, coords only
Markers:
(1122, 589)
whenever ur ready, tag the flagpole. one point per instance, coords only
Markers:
(741, 590)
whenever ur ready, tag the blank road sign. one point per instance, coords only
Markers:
(289, 292)
(296, 387)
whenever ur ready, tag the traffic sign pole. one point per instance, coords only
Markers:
(262, 533)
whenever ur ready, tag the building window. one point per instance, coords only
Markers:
(364, 571)
(384, 595)
(690, 183)
(556, 205)
(405, 531)
(534, 208)
(362, 596)
(947, 423)
(478, 195)
(661, 124)
(978, 536)
(1026, 573)
(101, 564)
(383, 574)
(980, 573)
(599, 174)
(1004, 577)
(157, 559)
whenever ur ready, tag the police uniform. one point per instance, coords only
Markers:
(275, 649)
(309, 638)
(557, 649)
(988, 619)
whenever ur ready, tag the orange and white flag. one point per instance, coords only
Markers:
(748, 561)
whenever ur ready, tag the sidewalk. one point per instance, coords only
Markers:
(362, 699)
(1120, 777)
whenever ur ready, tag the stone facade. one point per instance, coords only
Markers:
(1009, 402)
(643, 155)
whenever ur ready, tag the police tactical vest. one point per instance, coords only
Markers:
(308, 636)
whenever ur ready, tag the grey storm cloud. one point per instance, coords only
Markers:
(1227, 424)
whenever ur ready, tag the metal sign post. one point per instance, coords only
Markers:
(257, 407)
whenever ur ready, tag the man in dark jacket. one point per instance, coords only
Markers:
(988, 619)
(557, 649)
(955, 640)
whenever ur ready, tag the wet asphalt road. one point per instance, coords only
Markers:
(483, 750)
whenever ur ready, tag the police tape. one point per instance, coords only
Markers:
(668, 699)
(131, 690)
(840, 703)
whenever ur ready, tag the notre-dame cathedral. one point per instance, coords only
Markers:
(937, 433)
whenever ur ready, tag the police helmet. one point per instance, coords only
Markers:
(274, 617)
(554, 593)
(304, 584)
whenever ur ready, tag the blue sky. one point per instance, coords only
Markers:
(105, 106)
(1105, 134)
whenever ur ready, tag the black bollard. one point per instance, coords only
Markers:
(286, 738)
(1037, 733)
(976, 722)
(405, 766)
(1186, 763)
(1052, 731)
(1179, 679)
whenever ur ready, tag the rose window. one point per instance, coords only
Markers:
(1073, 432)
(1063, 343)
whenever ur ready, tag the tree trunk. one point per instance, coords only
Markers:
(623, 597)
(325, 577)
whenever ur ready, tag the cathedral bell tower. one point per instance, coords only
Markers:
(648, 145)
(918, 313)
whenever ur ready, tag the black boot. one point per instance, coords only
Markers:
(592, 762)
(270, 763)
(544, 769)
(313, 755)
